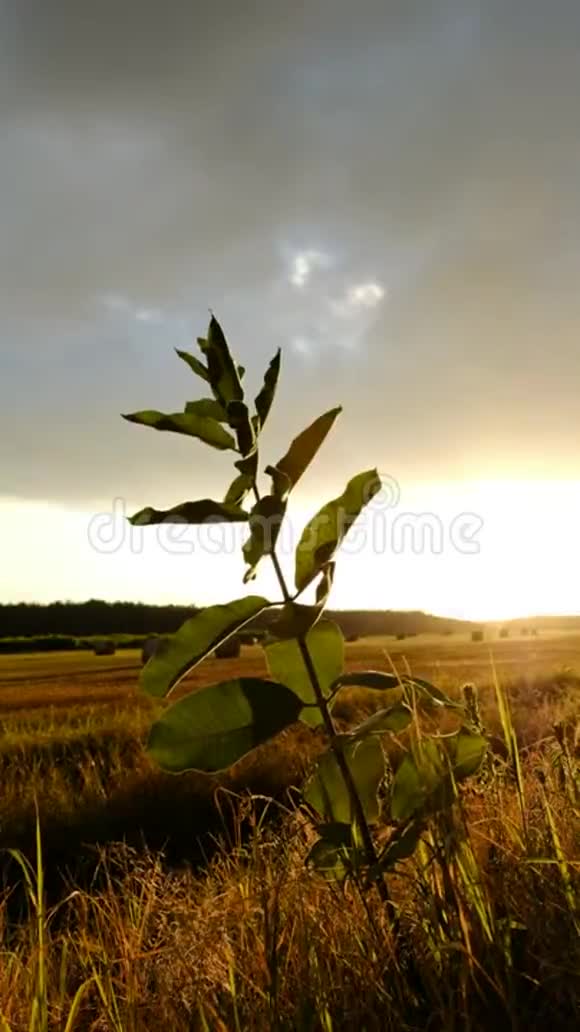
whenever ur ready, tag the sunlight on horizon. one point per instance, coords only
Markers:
(480, 550)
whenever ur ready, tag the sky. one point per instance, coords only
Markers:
(388, 191)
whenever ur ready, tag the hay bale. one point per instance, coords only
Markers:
(104, 648)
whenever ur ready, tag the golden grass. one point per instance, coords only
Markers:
(252, 939)
(258, 941)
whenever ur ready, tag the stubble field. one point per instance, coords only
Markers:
(226, 928)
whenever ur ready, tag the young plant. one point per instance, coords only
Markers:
(214, 727)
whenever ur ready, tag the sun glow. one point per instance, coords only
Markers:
(489, 549)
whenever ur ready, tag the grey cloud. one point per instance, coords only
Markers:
(176, 158)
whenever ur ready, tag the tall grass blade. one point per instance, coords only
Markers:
(511, 743)
(563, 867)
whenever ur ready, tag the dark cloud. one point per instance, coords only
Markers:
(160, 159)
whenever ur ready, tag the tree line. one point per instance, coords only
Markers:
(99, 617)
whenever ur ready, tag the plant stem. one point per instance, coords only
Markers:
(357, 807)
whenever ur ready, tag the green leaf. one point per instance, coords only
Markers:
(416, 780)
(207, 407)
(207, 430)
(394, 719)
(379, 681)
(239, 420)
(375, 679)
(295, 620)
(285, 662)
(281, 483)
(265, 521)
(248, 465)
(239, 488)
(326, 531)
(224, 376)
(402, 844)
(194, 640)
(425, 779)
(203, 511)
(335, 833)
(429, 692)
(467, 750)
(335, 855)
(198, 367)
(266, 396)
(304, 447)
(194, 364)
(334, 863)
(214, 727)
(324, 586)
(326, 791)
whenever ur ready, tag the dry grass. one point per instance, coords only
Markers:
(260, 942)
(136, 940)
